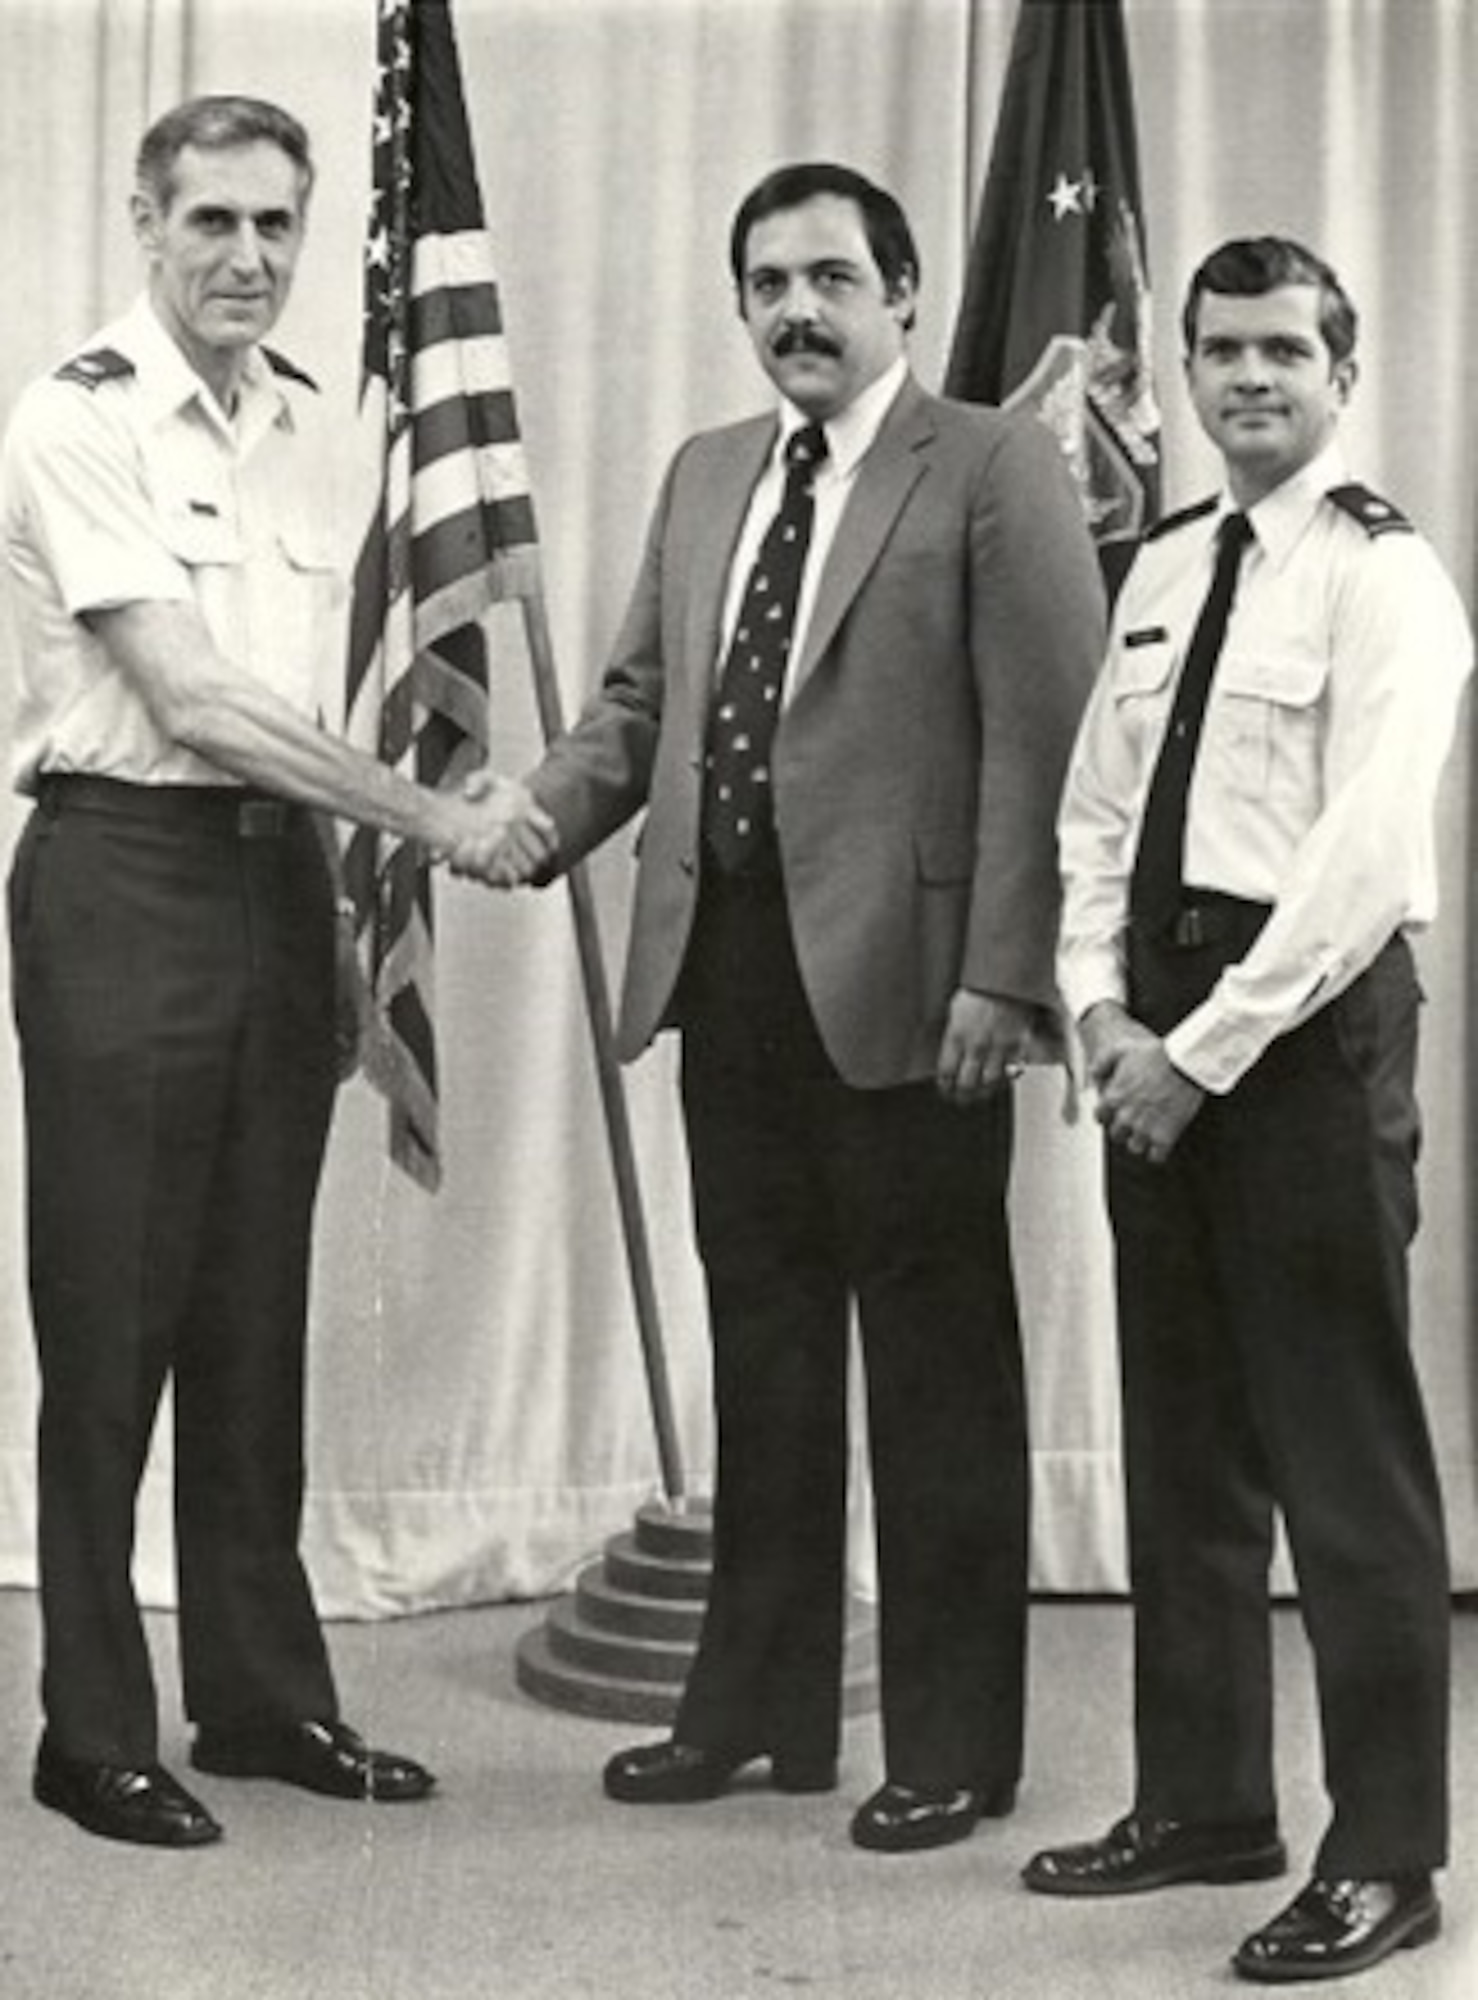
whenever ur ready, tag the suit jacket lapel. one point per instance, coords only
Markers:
(725, 503)
(885, 478)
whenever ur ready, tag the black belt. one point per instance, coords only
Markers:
(1209, 917)
(224, 810)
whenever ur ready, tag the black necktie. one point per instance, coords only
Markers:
(737, 810)
(1155, 886)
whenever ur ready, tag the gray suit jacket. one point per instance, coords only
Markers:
(957, 626)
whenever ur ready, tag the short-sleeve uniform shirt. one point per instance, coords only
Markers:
(123, 481)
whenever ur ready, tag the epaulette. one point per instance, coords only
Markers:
(1170, 522)
(280, 365)
(98, 364)
(1376, 516)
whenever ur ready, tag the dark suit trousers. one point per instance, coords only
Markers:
(174, 998)
(1262, 1281)
(809, 1196)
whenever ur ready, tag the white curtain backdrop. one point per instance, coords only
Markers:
(478, 1418)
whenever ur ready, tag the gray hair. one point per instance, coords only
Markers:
(215, 122)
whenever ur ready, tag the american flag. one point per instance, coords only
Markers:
(452, 531)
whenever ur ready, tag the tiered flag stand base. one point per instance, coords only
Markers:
(619, 1646)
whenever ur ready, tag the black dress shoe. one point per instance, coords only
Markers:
(901, 1819)
(324, 1757)
(680, 1774)
(1141, 1852)
(1331, 1929)
(142, 1803)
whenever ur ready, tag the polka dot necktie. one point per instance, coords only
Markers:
(738, 816)
(1155, 885)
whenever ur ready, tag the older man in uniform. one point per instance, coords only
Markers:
(173, 934)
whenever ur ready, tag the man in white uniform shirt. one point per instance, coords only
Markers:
(173, 946)
(1252, 1040)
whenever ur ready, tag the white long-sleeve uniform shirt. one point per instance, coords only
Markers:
(1331, 713)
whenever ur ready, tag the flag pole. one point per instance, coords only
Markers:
(612, 1092)
(433, 342)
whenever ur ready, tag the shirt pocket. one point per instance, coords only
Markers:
(1268, 723)
(208, 545)
(297, 606)
(1141, 681)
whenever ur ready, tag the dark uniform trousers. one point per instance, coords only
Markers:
(1262, 1290)
(173, 989)
(809, 1194)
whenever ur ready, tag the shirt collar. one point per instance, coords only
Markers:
(1281, 517)
(168, 383)
(849, 433)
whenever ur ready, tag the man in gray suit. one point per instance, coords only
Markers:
(845, 691)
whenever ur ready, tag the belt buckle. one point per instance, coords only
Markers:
(261, 819)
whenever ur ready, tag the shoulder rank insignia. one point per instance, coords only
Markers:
(1376, 516)
(1171, 522)
(98, 364)
(280, 365)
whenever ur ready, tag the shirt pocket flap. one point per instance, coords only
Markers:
(1291, 680)
(944, 854)
(197, 537)
(1142, 669)
(306, 544)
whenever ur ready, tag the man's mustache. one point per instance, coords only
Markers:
(805, 340)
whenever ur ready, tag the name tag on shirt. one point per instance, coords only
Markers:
(1147, 635)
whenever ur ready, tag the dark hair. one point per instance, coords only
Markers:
(888, 235)
(1248, 266)
(217, 121)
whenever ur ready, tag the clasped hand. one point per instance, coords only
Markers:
(496, 832)
(1144, 1101)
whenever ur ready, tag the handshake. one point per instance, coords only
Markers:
(494, 831)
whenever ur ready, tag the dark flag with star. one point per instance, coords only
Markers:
(1056, 309)
(452, 531)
